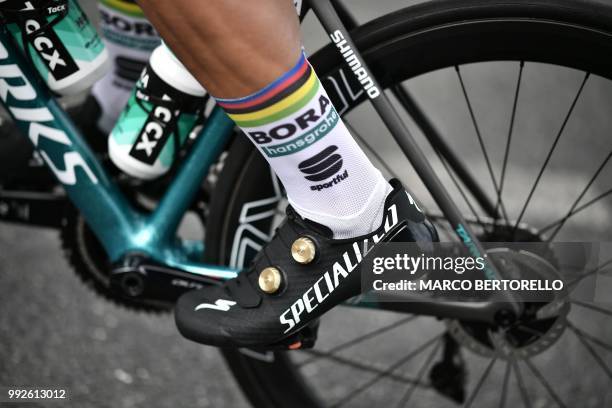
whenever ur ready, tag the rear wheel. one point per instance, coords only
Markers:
(548, 174)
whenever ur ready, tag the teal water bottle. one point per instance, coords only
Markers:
(57, 37)
(164, 108)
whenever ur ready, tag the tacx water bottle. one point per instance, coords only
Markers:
(165, 106)
(59, 40)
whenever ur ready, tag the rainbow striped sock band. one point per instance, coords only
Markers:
(128, 7)
(283, 97)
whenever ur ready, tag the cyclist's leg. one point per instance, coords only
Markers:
(248, 55)
(233, 47)
(245, 53)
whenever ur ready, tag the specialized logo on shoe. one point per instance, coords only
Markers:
(322, 166)
(316, 123)
(326, 284)
(413, 202)
(221, 305)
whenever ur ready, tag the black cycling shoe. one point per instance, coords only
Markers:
(298, 276)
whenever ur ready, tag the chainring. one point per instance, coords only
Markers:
(87, 257)
(81, 248)
(90, 263)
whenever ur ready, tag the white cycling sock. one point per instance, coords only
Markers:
(328, 178)
(129, 39)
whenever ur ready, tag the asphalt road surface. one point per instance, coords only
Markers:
(56, 332)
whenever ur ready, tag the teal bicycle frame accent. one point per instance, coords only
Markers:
(120, 228)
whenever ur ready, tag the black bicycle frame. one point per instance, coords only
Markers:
(431, 133)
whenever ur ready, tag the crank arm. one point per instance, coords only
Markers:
(483, 312)
(490, 312)
(32, 208)
(139, 278)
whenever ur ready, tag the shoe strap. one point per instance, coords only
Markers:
(242, 291)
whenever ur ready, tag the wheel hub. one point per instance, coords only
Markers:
(530, 334)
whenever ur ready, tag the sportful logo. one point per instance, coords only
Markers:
(358, 69)
(340, 270)
(22, 91)
(322, 166)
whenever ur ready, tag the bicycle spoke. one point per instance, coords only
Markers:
(585, 275)
(506, 382)
(377, 156)
(360, 366)
(536, 372)
(592, 307)
(521, 384)
(476, 128)
(592, 352)
(530, 330)
(590, 337)
(580, 196)
(502, 177)
(383, 374)
(357, 340)
(576, 211)
(551, 150)
(481, 381)
(458, 186)
(406, 397)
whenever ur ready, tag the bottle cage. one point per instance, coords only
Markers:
(50, 8)
(43, 10)
(144, 95)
